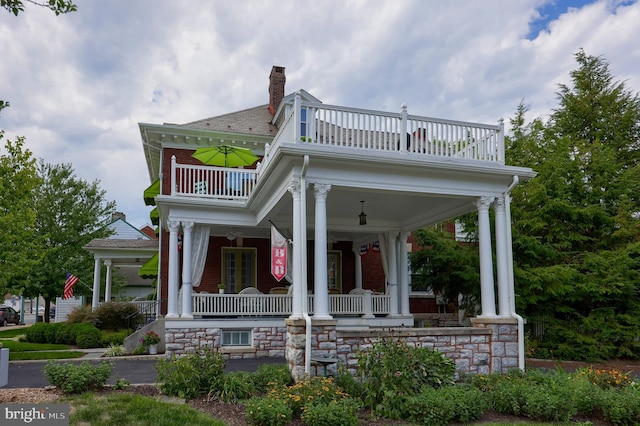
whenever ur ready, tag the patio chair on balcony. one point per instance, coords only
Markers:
(251, 305)
(200, 187)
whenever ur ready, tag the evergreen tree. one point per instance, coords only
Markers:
(575, 226)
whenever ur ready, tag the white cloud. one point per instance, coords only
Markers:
(79, 83)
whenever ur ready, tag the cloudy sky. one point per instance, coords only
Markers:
(79, 84)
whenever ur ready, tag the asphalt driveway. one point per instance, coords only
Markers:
(28, 374)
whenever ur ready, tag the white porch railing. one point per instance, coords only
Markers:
(366, 305)
(211, 181)
(419, 137)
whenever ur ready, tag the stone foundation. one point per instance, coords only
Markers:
(504, 342)
(267, 342)
(323, 345)
(490, 346)
(469, 348)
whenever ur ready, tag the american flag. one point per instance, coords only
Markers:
(68, 286)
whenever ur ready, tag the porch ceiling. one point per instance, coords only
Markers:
(399, 194)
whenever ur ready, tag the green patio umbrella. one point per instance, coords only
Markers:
(225, 155)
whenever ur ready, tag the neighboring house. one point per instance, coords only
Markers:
(347, 186)
(125, 251)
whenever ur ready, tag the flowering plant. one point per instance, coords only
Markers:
(151, 338)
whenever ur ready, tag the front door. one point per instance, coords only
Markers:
(238, 268)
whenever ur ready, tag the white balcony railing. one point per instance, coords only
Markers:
(417, 136)
(216, 305)
(211, 181)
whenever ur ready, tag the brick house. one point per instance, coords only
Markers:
(346, 187)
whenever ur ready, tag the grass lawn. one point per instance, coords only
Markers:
(26, 347)
(127, 409)
(22, 351)
(10, 333)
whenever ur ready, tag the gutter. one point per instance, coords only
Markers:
(512, 299)
(303, 249)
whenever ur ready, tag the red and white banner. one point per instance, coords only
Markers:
(278, 254)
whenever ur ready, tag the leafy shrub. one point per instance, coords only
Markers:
(78, 329)
(548, 402)
(268, 376)
(192, 375)
(121, 384)
(114, 350)
(118, 316)
(139, 350)
(235, 386)
(314, 390)
(63, 334)
(77, 378)
(588, 399)
(37, 332)
(351, 385)
(442, 406)
(83, 314)
(342, 412)
(51, 331)
(622, 407)
(392, 367)
(88, 336)
(267, 412)
(113, 337)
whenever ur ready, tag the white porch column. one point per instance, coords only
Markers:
(107, 287)
(172, 291)
(356, 250)
(403, 267)
(321, 289)
(393, 272)
(298, 279)
(187, 276)
(96, 284)
(502, 258)
(487, 292)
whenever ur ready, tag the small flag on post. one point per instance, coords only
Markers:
(68, 286)
(278, 254)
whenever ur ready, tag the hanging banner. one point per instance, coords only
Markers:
(278, 254)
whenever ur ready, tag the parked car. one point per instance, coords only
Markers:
(8, 315)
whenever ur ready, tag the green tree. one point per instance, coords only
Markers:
(18, 180)
(70, 213)
(575, 226)
(56, 6)
(446, 266)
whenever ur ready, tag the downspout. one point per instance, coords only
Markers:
(303, 254)
(512, 298)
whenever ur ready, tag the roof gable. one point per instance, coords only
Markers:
(251, 121)
(123, 230)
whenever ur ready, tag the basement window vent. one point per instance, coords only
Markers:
(236, 338)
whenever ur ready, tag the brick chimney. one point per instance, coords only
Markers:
(276, 88)
(118, 215)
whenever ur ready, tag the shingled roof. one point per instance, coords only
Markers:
(252, 121)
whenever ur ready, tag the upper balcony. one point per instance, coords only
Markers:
(364, 132)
